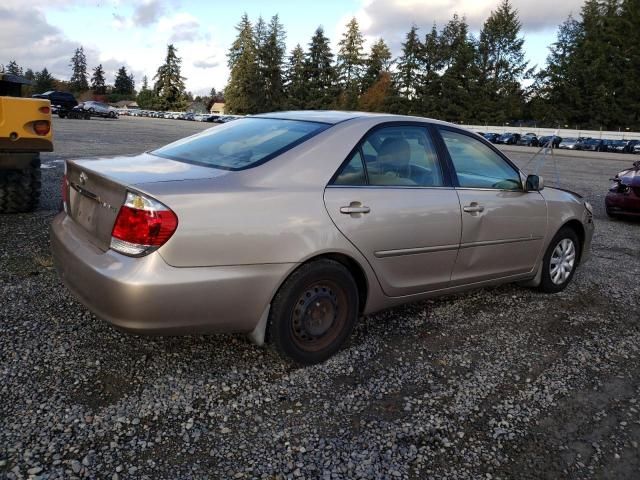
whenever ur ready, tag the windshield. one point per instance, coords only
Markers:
(241, 144)
(570, 140)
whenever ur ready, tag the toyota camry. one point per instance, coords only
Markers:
(290, 226)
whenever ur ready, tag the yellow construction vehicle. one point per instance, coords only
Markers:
(25, 131)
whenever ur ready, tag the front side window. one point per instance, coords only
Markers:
(241, 144)
(395, 156)
(477, 165)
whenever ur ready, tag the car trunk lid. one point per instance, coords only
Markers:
(95, 189)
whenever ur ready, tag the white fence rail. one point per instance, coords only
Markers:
(563, 132)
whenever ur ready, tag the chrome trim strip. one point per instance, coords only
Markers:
(413, 251)
(486, 243)
(443, 248)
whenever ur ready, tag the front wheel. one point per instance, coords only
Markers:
(314, 312)
(560, 261)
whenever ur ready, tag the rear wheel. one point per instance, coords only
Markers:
(314, 312)
(20, 189)
(560, 261)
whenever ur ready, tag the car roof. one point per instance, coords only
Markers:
(324, 116)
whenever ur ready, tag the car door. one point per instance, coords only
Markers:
(394, 201)
(503, 226)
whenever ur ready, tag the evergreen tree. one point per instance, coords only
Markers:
(350, 64)
(123, 84)
(272, 53)
(431, 99)
(145, 83)
(458, 80)
(29, 74)
(243, 93)
(169, 83)
(296, 83)
(13, 68)
(320, 73)
(502, 65)
(409, 71)
(43, 81)
(378, 62)
(97, 81)
(78, 81)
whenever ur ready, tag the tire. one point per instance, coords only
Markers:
(61, 115)
(554, 281)
(313, 313)
(20, 189)
(112, 115)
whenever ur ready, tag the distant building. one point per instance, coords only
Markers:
(217, 108)
(126, 104)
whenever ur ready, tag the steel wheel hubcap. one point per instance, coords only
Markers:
(562, 261)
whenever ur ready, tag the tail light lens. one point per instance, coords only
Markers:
(142, 225)
(41, 127)
(45, 110)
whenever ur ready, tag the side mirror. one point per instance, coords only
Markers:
(534, 183)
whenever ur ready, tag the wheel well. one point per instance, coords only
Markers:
(577, 227)
(356, 271)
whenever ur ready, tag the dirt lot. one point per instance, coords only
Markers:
(498, 383)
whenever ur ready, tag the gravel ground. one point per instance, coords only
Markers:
(499, 383)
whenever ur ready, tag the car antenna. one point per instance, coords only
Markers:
(545, 149)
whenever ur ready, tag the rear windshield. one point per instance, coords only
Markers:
(241, 144)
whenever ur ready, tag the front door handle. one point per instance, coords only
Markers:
(473, 208)
(355, 207)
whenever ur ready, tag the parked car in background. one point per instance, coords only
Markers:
(212, 118)
(99, 109)
(619, 146)
(592, 144)
(636, 148)
(241, 229)
(60, 99)
(624, 195)
(492, 137)
(508, 138)
(528, 140)
(554, 139)
(570, 143)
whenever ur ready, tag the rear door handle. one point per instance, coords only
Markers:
(473, 208)
(355, 207)
(349, 210)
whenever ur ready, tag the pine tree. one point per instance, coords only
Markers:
(272, 53)
(458, 80)
(320, 73)
(432, 60)
(378, 62)
(350, 64)
(296, 83)
(243, 92)
(169, 83)
(43, 81)
(78, 81)
(29, 74)
(502, 65)
(97, 81)
(409, 71)
(145, 83)
(123, 84)
(13, 68)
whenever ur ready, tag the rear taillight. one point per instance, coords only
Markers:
(143, 224)
(44, 110)
(41, 127)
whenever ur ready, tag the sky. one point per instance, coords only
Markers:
(45, 33)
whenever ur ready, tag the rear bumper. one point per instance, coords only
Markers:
(146, 295)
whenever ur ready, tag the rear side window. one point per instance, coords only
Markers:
(394, 156)
(241, 144)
